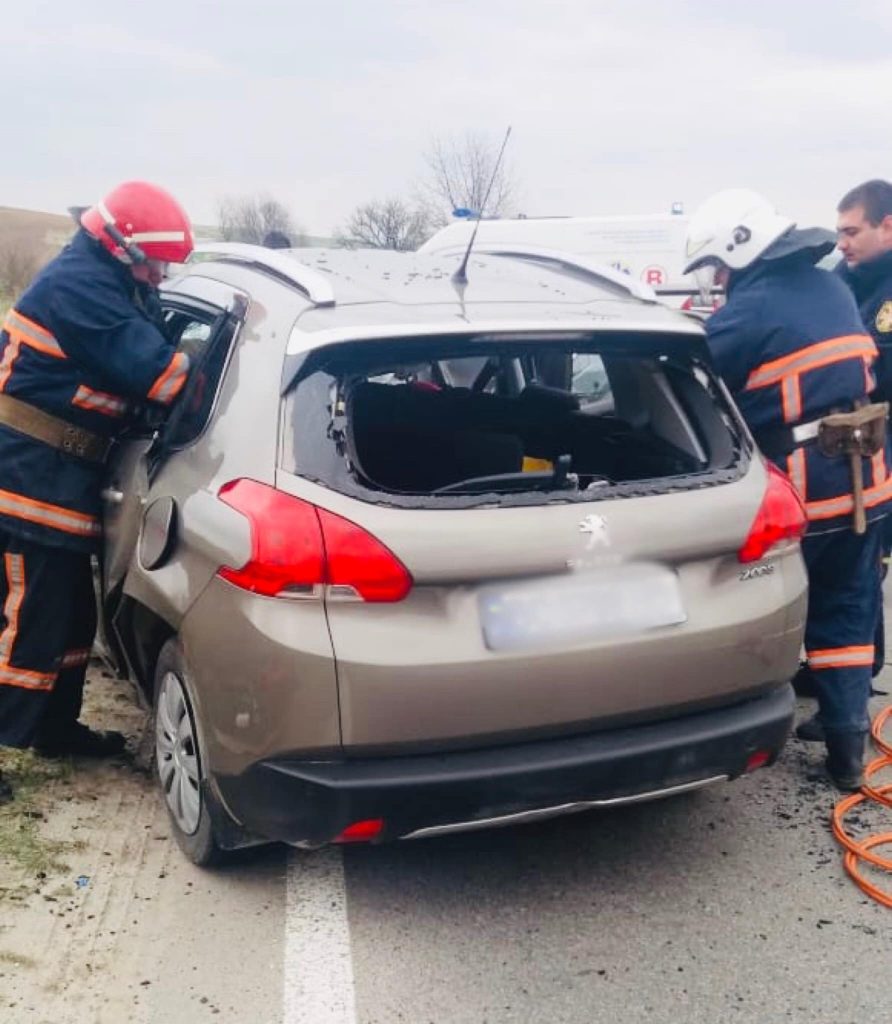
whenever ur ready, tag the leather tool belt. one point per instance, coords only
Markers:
(57, 433)
(857, 435)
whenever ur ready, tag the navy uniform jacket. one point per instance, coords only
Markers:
(791, 347)
(871, 283)
(79, 345)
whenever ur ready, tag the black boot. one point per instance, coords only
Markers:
(78, 740)
(803, 682)
(5, 790)
(811, 730)
(845, 759)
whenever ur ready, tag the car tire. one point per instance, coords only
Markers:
(178, 760)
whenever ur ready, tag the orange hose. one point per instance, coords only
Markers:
(862, 850)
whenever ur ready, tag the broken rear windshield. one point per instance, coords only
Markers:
(451, 422)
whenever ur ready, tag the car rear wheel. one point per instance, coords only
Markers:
(178, 759)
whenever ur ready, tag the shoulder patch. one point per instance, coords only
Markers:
(884, 318)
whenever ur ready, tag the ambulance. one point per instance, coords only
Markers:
(650, 249)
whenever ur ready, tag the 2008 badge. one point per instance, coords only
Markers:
(755, 571)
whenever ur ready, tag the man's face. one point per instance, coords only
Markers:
(151, 272)
(858, 240)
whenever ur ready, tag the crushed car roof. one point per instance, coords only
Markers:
(507, 289)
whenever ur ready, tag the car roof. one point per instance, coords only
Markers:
(361, 292)
(498, 273)
(412, 278)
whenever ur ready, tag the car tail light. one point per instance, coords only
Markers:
(780, 520)
(758, 760)
(361, 831)
(297, 547)
(357, 560)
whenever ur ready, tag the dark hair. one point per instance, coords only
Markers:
(277, 240)
(874, 196)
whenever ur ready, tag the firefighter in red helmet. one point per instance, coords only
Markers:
(80, 345)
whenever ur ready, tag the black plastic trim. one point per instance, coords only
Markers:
(311, 802)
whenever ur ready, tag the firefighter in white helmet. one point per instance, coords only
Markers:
(791, 347)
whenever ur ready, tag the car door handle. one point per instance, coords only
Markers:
(112, 496)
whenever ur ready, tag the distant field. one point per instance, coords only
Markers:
(28, 238)
(47, 232)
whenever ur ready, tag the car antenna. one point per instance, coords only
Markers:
(461, 275)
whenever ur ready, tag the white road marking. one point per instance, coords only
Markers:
(318, 968)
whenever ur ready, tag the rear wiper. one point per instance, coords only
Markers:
(558, 479)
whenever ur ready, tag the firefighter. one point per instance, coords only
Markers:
(864, 238)
(790, 345)
(81, 345)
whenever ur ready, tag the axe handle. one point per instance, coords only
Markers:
(860, 524)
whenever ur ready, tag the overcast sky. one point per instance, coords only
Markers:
(616, 107)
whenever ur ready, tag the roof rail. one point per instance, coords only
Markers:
(569, 260)
(316, 286)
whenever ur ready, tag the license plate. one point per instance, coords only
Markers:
(593, 606)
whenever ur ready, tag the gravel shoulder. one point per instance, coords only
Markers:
(101, 917)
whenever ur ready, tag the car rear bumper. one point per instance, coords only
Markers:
(312, 802)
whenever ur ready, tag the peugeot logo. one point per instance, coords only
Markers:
(595, 528)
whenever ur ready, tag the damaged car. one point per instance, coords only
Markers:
(417, 553)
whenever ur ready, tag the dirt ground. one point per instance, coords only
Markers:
(65, 843)
(102, 919)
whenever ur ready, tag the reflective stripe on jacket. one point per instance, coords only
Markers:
(79, 345)
(791, 347)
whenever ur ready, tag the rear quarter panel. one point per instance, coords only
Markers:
(240, 648)
(240, 440)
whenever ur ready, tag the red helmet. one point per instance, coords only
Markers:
(141, 218)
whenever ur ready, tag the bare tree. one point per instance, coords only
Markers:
(253, 218)
(386, 224)
(459, 173)
(19, 262)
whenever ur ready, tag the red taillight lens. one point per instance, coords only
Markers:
(356, 559)
(296, 546)
(781, 517)
(361, 831)
(758, 760)
(287, 552)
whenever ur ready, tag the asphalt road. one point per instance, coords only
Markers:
(728, 904)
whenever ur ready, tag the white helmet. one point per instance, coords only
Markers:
(734, 228)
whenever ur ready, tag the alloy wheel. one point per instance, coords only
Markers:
(176, 751)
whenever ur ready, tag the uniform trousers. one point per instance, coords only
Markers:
(844, 594)
(47, 627)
